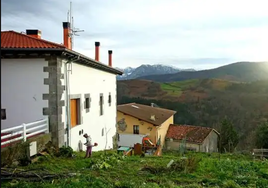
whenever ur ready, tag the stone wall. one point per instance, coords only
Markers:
(55, 104)
(13, 152)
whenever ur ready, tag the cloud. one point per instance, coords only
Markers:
(186, 34)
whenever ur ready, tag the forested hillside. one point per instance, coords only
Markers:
(205, 102)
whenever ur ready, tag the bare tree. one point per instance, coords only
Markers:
(106, 138)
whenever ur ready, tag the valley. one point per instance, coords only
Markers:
(206, 102)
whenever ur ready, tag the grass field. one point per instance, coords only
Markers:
(176, 88)
(112, 170)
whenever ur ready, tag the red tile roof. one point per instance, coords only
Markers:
(193, 134)
(145, 112)
(12, 39)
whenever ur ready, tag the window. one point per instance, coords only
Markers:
(3, 114)
(101, 104)
(102, 132)
(110, 99)
(75, 112)
(136, 129)
(87, 103)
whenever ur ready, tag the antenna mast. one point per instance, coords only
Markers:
(73, 30)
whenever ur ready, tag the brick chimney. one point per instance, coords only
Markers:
(34, 33)
(67, 35)
(97, 51)
(110, 52)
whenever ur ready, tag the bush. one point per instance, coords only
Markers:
(65, 152)
(16, 152)
(186, 165)
(105, 161)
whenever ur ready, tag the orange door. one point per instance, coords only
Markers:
(74, 117)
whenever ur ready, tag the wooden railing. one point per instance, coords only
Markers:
(261, 153)
(24, 131)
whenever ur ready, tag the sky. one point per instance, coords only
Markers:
(182, 33)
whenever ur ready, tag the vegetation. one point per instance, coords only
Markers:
(241, 71)
(262, 136)
(176, 88)
(228, 137)
(206, 102)
(113, 170)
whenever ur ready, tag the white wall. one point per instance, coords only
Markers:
(85, 80)
(22, 88)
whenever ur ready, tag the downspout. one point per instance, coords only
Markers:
(67, 102)
(67, 99)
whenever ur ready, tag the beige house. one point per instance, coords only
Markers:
(135, 118)
(195, 138)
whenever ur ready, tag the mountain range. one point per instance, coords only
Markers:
(240, 71)
(147, 70)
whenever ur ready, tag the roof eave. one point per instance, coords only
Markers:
(94, 62)
(199, 143)
(32, 49)
(143, 119)
(83, 59)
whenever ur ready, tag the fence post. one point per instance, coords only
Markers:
(47, 125)
(24, 132)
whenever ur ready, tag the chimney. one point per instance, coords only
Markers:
(97, 51)
(110, 52)
(67, 35)
(34, 33)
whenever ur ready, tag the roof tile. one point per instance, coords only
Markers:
(145, 112)
(195, 134)
(12, 39)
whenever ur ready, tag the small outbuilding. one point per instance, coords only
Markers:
(194, 138)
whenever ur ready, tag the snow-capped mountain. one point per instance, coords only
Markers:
(146, 70)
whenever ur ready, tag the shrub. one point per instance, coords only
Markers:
(186, 165)
(16, 152)
(65, 152)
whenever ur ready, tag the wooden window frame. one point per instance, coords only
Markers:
(79, 107)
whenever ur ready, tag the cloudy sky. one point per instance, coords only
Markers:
(196, 34)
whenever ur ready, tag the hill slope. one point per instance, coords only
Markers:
(241, 71)
(146, 70)
(205, 102)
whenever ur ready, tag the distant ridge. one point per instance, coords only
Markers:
(240, 71)
(146, 70)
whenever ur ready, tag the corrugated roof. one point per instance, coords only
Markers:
(12, 39)
(144, 112)
(195, 134)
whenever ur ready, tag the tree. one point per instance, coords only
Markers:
(262, 136)
(228, 136)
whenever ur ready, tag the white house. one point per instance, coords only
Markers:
(42, 79)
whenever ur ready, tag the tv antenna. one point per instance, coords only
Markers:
(73, 30)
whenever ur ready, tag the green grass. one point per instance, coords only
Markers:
(213, 170)
(176, 88)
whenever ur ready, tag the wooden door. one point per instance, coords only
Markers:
(74, 112)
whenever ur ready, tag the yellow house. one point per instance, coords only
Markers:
(136, 118)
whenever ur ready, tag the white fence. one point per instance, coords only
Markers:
(24, 131)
